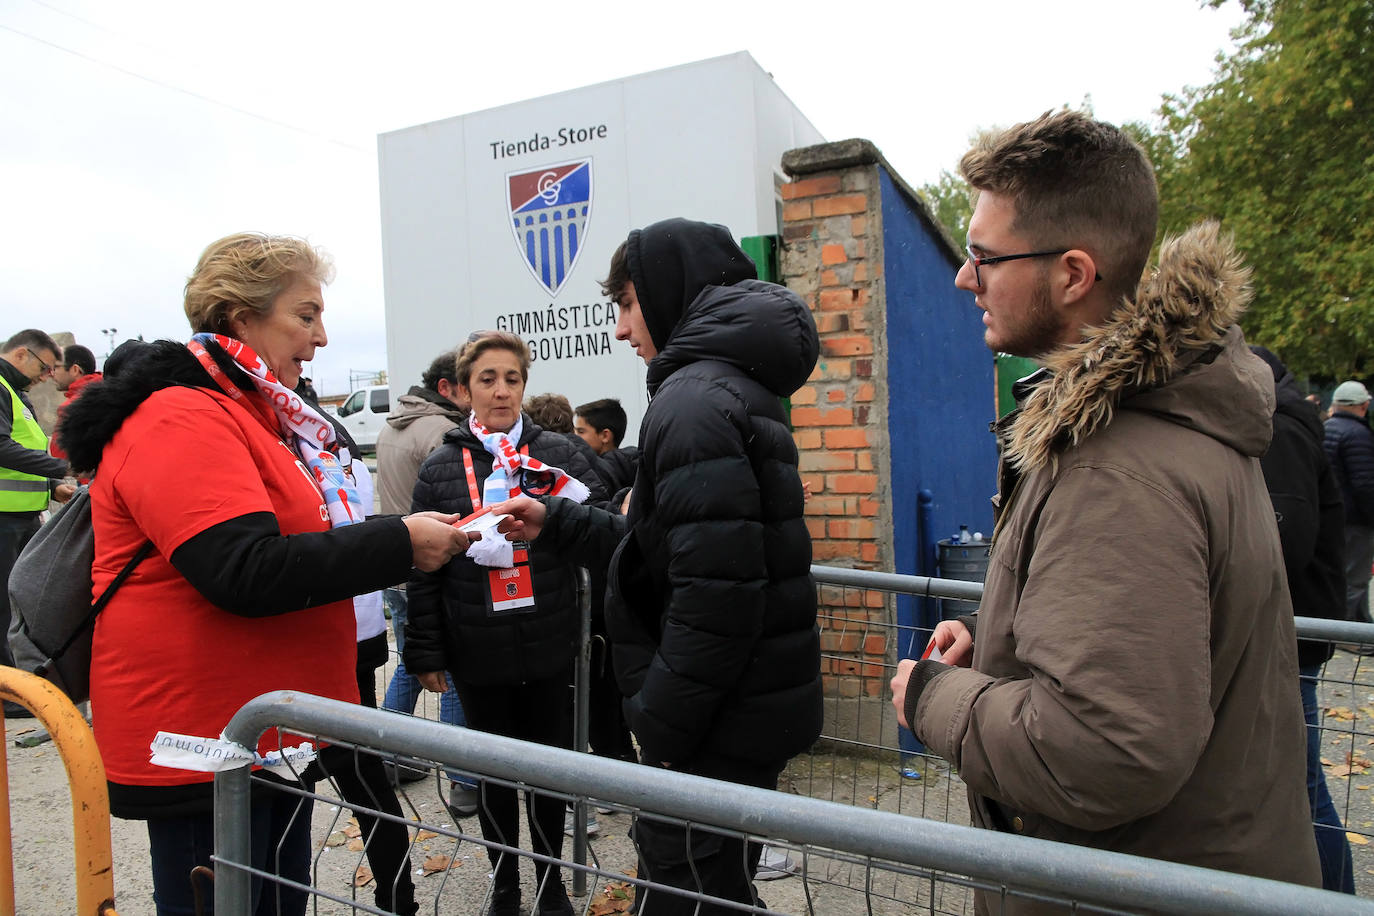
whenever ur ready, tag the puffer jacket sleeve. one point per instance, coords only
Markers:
(1115, 713)
(1357, 459)
(565, 454)
(585, 535)
(424, 649)
(708, 505)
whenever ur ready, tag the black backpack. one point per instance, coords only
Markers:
(50, 599)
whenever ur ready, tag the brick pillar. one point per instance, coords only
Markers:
(832, 256)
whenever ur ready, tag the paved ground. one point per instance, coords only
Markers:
(42, 828)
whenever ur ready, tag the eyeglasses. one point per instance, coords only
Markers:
(978, 261)
(47, 369)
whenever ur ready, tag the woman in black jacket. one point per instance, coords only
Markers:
(503, 627)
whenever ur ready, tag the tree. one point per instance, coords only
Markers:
(1280, 148)
(949, 201)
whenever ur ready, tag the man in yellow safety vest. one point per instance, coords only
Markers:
(29, 476)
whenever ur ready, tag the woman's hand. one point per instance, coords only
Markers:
(526, 518)
(433, 681)
(434, 541)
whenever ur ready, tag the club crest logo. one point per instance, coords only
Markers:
(549, 210)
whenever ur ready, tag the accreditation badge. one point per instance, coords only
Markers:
(512, 590)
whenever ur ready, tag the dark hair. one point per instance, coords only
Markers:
(1076, 183)
(33, 339)
(125, 355)
(492, 340)
(605, 414)
(77, 355)
(619, 276)
(551, 411)
(445, 366)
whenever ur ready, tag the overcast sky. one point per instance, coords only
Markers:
(134, 133)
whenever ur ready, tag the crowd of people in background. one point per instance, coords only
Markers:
(1126, 686)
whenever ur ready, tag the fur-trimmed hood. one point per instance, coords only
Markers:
(1174, 351)
(91, 421)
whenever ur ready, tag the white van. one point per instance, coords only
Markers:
(364, 413)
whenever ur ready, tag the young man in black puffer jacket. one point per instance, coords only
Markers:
(709, 602)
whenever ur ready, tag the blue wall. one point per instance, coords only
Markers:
(941, 387)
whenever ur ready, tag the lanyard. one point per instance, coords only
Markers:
(473, 493)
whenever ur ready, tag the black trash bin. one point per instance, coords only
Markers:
(968, 562)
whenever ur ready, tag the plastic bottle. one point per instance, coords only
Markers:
(964, 536)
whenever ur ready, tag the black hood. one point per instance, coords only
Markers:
(1288, 397)
(91, 421)
(671, 262)
(763, 329)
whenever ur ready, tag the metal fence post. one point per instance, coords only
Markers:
(581, 725)
(233, 885)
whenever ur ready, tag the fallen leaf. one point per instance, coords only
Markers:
(1328, 763)
(352, 830)
(336, 839)
(356, 845)
(362, 877)
(1339, 772)
(439, 863)
(614, 897)
(25, 731)
(1340, 712)
(1358, 839)
(1362, 788)
(423, 834)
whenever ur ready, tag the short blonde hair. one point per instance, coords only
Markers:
(492, 340)
(246, 272)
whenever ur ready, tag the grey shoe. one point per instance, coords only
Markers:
(593, 828)
(397, 773)
(462, 801)
(774, 864)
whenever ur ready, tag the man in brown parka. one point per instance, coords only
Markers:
(1131, 685)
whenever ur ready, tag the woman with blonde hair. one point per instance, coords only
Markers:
(258, 545)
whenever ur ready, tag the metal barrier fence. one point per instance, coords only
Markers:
(863, 761)
(852, 859)
(72, 737)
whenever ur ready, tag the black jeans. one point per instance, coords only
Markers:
(538, 711)
(280, 843)
(362, 783)
(697, 860)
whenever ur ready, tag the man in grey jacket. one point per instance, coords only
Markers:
(412, 431)
(1131, 682)
(1350, 447)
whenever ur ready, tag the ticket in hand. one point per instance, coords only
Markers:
(480, 521)
(932, 651)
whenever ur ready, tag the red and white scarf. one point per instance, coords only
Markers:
(311, 435)
(511, 471)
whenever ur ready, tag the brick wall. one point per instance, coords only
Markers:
(832, 256)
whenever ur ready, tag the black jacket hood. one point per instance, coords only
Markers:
(672, 261)
(763, 329)
(1289, 399)
(91, 421)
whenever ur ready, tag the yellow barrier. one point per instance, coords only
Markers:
(90, 799)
